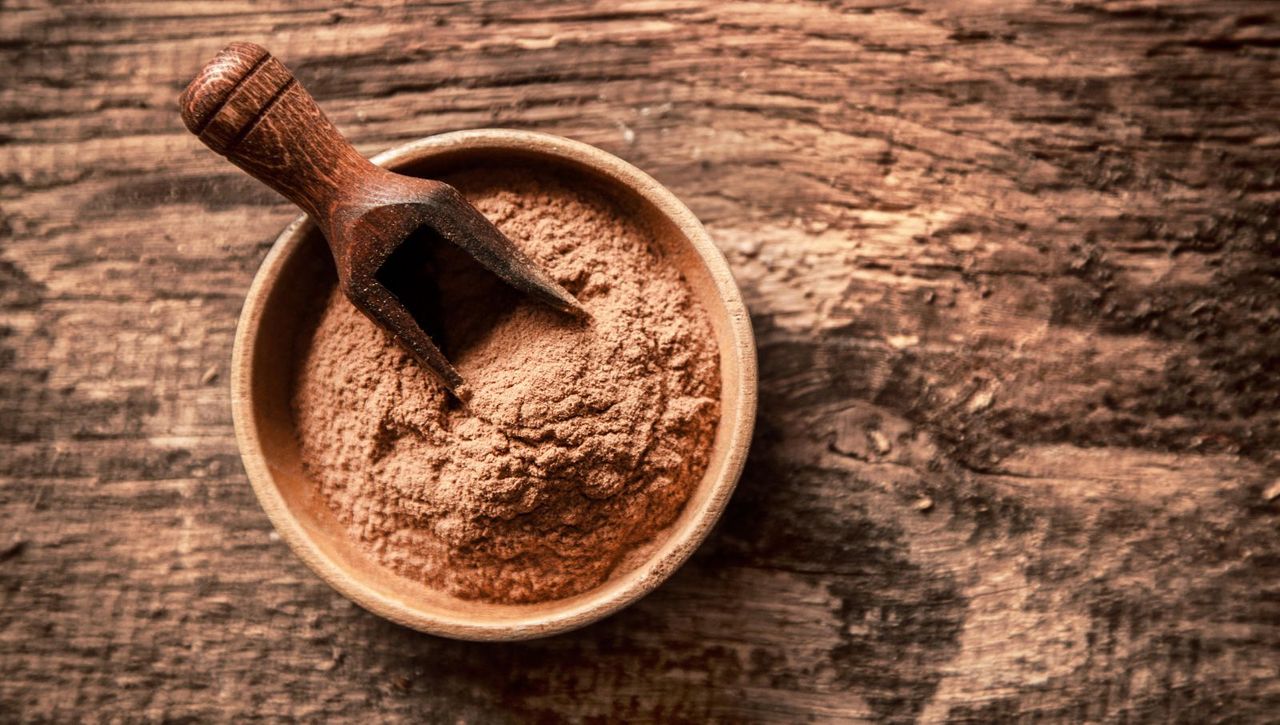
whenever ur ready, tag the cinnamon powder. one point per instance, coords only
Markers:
(581, 441)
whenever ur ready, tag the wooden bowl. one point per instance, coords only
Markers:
(298, 270)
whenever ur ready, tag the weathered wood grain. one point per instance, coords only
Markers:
(1015, 272)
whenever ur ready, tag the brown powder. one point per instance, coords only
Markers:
(580, 442)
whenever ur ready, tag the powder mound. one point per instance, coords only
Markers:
(580, 442)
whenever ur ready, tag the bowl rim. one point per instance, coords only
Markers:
(581, 610)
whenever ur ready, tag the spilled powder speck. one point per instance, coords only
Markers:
(580, 442)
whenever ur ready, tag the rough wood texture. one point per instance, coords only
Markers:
(1015, 272)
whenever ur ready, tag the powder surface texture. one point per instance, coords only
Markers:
(581, 441)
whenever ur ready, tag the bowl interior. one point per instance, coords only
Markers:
(300, 271)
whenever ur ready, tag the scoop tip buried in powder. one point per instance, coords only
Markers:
(558, 298)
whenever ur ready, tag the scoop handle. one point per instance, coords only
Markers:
(247, 106)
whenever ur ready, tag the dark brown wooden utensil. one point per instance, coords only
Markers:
(247, 106)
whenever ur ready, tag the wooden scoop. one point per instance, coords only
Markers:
(247, 106)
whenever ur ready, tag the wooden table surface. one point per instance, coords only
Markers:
(1014, 269)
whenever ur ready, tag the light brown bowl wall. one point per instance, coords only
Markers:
(299, 269)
